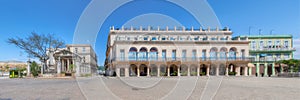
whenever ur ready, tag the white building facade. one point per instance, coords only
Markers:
(78, 59)
(176, 52)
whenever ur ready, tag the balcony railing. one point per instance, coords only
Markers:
(149, 28)
(186, 59)
(274, 49)
(270, 59)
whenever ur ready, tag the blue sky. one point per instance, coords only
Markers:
(20, 18)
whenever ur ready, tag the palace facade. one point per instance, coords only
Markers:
(267, 50)
(176, 51)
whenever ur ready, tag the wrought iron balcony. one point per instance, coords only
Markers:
(185, 59)
(272, 49)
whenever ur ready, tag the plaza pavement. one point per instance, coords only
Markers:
(152, 88)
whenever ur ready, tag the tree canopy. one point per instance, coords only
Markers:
(37, 45)
(292, 62)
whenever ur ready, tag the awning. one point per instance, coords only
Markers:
(251, 65)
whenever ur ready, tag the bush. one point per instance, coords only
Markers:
(184, 73)
(34, 69)
(153, 73)
(174, 73)
(193, 73)
(202, 73)
(162, 74)
(231, 73)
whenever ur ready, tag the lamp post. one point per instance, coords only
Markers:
(249, 30)
(250, 27)
(259, 31)
(28, 67)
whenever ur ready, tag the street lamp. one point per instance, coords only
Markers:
(259, 31)
(250, 27)
(28, 67)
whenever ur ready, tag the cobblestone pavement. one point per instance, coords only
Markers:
(152, 88)
(39, 89)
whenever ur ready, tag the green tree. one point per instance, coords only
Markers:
(292, 63)
(38, 45)
(6, 68)
(1, 69)
(34, 69)
(72, 66)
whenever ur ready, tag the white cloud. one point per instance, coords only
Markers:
(297, 46)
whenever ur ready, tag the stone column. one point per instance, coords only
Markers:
(68, 65)
(178, 71)
(168, 70)
(257, 69)
(273, 69)
(245, 71)
(237, 70)
(198, 70)
(226, 71)
(118, 72)
(227, 56)
(207, 70)
(189, 71)
(63, 65)
(138, 71)
(148, 71)
(266, 70)
(58, 66)
(281, 69)
(217, 70)
(218, 56)
(126, 72)
(28, 68)
(250, 71)
(158, 71)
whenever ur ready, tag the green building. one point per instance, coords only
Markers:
(267, 50)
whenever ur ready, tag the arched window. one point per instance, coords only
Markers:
(132, 54)
(213, 54)
(232, 53)
(153, 55)
(143, 54)
(223, 53)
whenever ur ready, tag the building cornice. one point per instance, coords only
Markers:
(170, 33)
(182, 42)
(268, 36)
